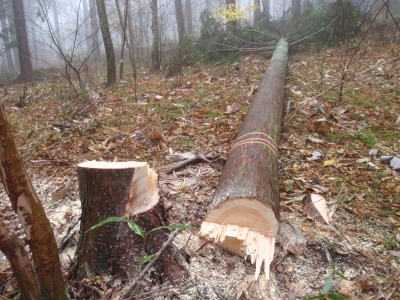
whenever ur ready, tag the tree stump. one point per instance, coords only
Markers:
(129, 190)
(244, 218)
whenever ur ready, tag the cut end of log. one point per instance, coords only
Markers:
(246, 227)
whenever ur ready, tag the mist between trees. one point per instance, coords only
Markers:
(74, 39)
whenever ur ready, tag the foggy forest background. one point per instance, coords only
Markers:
(69, 30)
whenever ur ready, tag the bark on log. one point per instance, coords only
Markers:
(122, 189)
(31, 214)
(14, 249)
(244, 218)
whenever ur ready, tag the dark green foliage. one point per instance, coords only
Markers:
(213, 39)
(347, 19)
(140, 231)
(340, 20)
(217, 44)
(45, 73)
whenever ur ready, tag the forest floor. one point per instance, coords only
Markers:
(328, 146)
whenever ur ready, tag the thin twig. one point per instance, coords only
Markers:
(290, 117)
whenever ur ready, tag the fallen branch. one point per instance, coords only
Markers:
(200, 157)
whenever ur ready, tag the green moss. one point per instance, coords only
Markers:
(187, 142)
(211, 114)
(366, 137)
(391, 243)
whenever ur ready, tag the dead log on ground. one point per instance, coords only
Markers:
(121, 189)
(244, 218)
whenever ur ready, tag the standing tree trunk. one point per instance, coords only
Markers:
(6, 39)
(13, 37)
(266, 7)
(180, 21)
(94, 30)
(108, 44)
(244, 218)
(86, 17)
(296, 9)
(26, 70)
(123, 20)
(132, 57)
(57, 30)
(257, 11)
(155, 53)
(122, 189)
(31, 214)
(31, 27)
(189, 17)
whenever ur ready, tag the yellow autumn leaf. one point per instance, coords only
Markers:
(331, 162)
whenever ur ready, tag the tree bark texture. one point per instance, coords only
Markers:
(128, 190)
(131, 39)
(247, 197)
(57, 30)
(14, 249)
(31, 214)
(94, 30)
(180, 21)
(257, 10)
(6, 39)
(266, 7)
(31, 28)
(123, 20)
(108, 44)
(189, 17)
(87, 25)
(26, 69)
(155, 53)
(296, 9)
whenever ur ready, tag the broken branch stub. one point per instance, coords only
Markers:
(244, 218)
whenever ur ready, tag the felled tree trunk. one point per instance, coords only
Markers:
(244, 218)
(121, 189)
(31, 214)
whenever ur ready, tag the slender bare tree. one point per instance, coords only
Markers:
(155, 53)
(257, 10)
(189, 17)
(6, 39)
(26, 69)
(180, 21)
(86, 20)
(57, 30)
(94, 30)
(123, 20)
(108, 43)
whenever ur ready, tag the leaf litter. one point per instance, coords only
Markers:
(322, 144)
